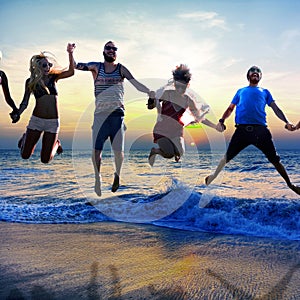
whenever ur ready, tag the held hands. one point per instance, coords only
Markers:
(71, 47)
(15, 116)
(221, 126)
(151, 101)
(291, 127)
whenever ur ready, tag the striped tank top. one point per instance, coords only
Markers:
(109, 90)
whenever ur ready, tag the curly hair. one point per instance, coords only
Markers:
(182, 73)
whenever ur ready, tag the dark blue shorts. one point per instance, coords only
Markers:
(256, 135)
(109, 126)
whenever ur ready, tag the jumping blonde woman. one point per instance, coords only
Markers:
(45, 117)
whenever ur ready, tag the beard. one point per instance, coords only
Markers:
(109, 58)
(254, 80)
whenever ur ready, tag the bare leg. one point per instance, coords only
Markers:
(281, 170)
(28, 142)
(49, 146)
(209, 179)
(119, 158)
(96, 158)
(166, 149)
(152, 155)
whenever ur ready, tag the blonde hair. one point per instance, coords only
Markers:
(36, 72)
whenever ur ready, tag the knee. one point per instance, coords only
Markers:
(168, 155)
(25, 155)
(45, 159)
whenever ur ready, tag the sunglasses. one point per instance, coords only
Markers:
(257, 70)
(110, 48)
(44, 65)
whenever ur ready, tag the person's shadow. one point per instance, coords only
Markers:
(37, 293)
(92, 288)
(173, 293)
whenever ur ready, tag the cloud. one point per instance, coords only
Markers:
(208, 19)
(231, 62)
(289, 38)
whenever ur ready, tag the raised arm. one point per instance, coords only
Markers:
(91, 66)
(70, 71)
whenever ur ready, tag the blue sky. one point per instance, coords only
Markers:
(219, 40)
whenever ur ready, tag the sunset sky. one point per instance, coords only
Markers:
(218, 40)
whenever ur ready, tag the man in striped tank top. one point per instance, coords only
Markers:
(109, 109)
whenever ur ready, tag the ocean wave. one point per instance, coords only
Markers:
(272, 218)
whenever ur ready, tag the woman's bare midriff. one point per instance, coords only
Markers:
(46, 107)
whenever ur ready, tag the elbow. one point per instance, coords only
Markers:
(70, 72)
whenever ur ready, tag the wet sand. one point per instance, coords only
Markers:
(128, 261)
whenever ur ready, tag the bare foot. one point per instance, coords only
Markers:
(98, 186)
(295, 188)
(59, 148)
(209, 179)
(177, 158)
(21, 141)
(151, 157)
(116, 183)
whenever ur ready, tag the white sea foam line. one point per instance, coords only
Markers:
(128, 211)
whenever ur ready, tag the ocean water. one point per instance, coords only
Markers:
(248, 198)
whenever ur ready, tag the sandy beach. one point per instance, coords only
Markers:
(129, 261)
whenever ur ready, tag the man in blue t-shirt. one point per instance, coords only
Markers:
(251, 125)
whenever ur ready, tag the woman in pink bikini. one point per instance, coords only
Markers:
(168, 130)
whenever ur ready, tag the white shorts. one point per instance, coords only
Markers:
(40, 124)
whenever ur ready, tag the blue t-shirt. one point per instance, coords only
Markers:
(250, 104)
